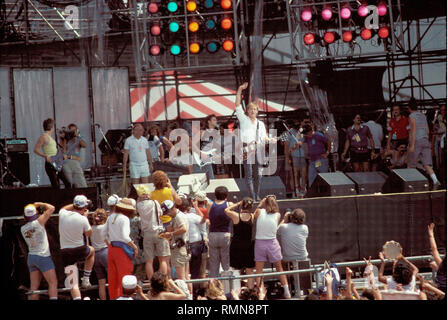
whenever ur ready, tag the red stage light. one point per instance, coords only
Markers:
(381, 8)
(347, 36)
(152, 7)
(384, 32)
(226, 4)
(226, 23)
(309, 38)
(366, 34)
(155, 30)
(329, 37)
(155, 50)
(228, 45)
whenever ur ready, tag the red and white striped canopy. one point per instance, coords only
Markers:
(163, 106)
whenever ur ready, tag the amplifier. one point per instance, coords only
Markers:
(15, 144)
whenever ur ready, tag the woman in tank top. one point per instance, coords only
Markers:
(46, 147)
(242, 250)
(267, 248)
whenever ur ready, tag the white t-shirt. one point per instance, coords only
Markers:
(248, 128)
(117, 228)
(180, 220)
(154, 146)
(266, 225)
(376, 132)
(147, 211)
(196, 228)
(137, 149)
(392, 285)
(72, 226)
(97, 238)
(36, 238)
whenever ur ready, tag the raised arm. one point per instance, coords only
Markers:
(381, 277)
(413, 267)
(49, 209)
(175, 196)
(434, 247)
(229, 211)
(349, 283)
(239, 93)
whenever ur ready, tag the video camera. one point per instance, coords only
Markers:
(66, 134)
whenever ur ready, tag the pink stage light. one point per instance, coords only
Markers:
(381, 8)
(326, 14)
(345, 12)
(306, 14)
(363, 9)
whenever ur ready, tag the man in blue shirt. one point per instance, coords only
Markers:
(318, 147)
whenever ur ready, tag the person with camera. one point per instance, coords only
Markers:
(73, 226)
(46, 147)
(292, 236)
(72, 143)
(177, 234)
(39, 256)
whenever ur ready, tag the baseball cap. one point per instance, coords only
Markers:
(129, 282)
(30, 212)
(80, 201)
(113, 200)
(200, 196)
(167, 205)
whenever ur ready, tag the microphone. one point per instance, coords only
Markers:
(97, 125)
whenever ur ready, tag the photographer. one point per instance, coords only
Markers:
(72, 143)
(178, 235)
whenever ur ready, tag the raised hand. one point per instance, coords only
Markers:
(381, 257)
(430, 229)
(243, 86)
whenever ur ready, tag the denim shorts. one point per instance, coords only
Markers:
(39, 263)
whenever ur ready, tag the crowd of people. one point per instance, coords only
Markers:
(175, 238)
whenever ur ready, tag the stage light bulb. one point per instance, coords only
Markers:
(363, 9)
(172, 6)
(208, 4)
(384, 32)
(366, 34)
(309, 38)
(210, 24)
(226, 4)
(194, 47)
(191, 6)
(228, 45)
(345, 12)
(155, 50)
(381, 8)
(155, 30)
(174, 26)
(306, 14)
(226, 23)
(212, 47)
(152, 7)
(347, 36)
(193, 26)
(329, 37)
(175, 49)
(326, 14)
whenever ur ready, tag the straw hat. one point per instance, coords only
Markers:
(126, 204)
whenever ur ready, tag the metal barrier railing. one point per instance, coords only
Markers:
(314, 269)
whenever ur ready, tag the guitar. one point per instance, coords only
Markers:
(203, 161)
(58, 160)
(249, 148)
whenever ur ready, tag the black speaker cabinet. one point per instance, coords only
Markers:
(368, 182)
(406, 180)
(19, 166)
(269, 185)
(331, 184)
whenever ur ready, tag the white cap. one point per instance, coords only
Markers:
(80, 201)
(129, 282)
(167, 205)
(113, 200)
(30, 210)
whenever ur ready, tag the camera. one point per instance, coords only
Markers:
(178, 243)
(68, 134)
(40, 210)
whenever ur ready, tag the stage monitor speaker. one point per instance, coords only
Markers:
(331, 184)
(368, 182)
(232, 186)
(269, 185)
(19, 166)
(406, 180)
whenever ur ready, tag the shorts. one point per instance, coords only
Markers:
(154, 246)
(299, 162)
(39, 263)
(422, 152)
(101, 263)
(179, 257)
(267, 251)
(138, 170)
(359, 156)
(72, 255)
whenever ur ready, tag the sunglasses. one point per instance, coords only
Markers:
(271, 195)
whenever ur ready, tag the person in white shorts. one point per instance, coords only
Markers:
(136, 150)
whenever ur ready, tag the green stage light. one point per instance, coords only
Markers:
(175, 49)
(172, 6)
(174, 26)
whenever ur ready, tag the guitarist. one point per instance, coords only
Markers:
(46, 147)
(72, 144)
(252, 133)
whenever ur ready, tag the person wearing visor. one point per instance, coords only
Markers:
(39, 256)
